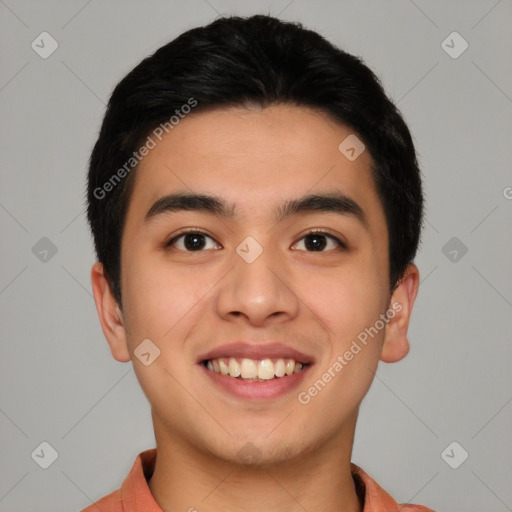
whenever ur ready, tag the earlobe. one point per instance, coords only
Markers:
(110, 315)
(396, 343)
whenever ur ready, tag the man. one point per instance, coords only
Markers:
(256, 206)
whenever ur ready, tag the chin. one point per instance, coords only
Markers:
(259, 453)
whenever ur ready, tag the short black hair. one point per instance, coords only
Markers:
(252, 61)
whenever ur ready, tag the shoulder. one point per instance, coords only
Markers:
(110, 503)
(375, 497)
(409, 507)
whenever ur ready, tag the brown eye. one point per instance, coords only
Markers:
(192, 241)
(318, 241)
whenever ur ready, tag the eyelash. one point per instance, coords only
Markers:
(196, 231)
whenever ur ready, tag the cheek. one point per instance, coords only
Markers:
(350, 306)
(157, 295)
(346, 300)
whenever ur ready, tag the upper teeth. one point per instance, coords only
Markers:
(264, 369)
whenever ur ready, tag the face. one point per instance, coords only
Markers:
(262, 275)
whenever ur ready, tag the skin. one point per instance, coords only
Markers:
(190, 302)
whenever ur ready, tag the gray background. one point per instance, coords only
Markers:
(59, 383)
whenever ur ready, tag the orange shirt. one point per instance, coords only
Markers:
(135, 496)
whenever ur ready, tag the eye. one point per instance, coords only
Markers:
(319, 241)
(192, 241)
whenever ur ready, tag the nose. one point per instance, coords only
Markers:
(259, 292)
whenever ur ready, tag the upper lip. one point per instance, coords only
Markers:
(256, 352)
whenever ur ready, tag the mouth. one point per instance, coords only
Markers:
(252, 370)
(255, 372)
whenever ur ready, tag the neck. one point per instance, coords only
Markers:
(186, 478)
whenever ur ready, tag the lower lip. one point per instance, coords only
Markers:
(257, 390)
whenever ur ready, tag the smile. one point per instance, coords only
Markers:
(252, 370)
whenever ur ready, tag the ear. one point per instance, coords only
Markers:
(396, 344)
(110, 315)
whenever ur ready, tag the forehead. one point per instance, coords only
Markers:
(254, 158)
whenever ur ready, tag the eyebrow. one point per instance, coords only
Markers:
(333, 202)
